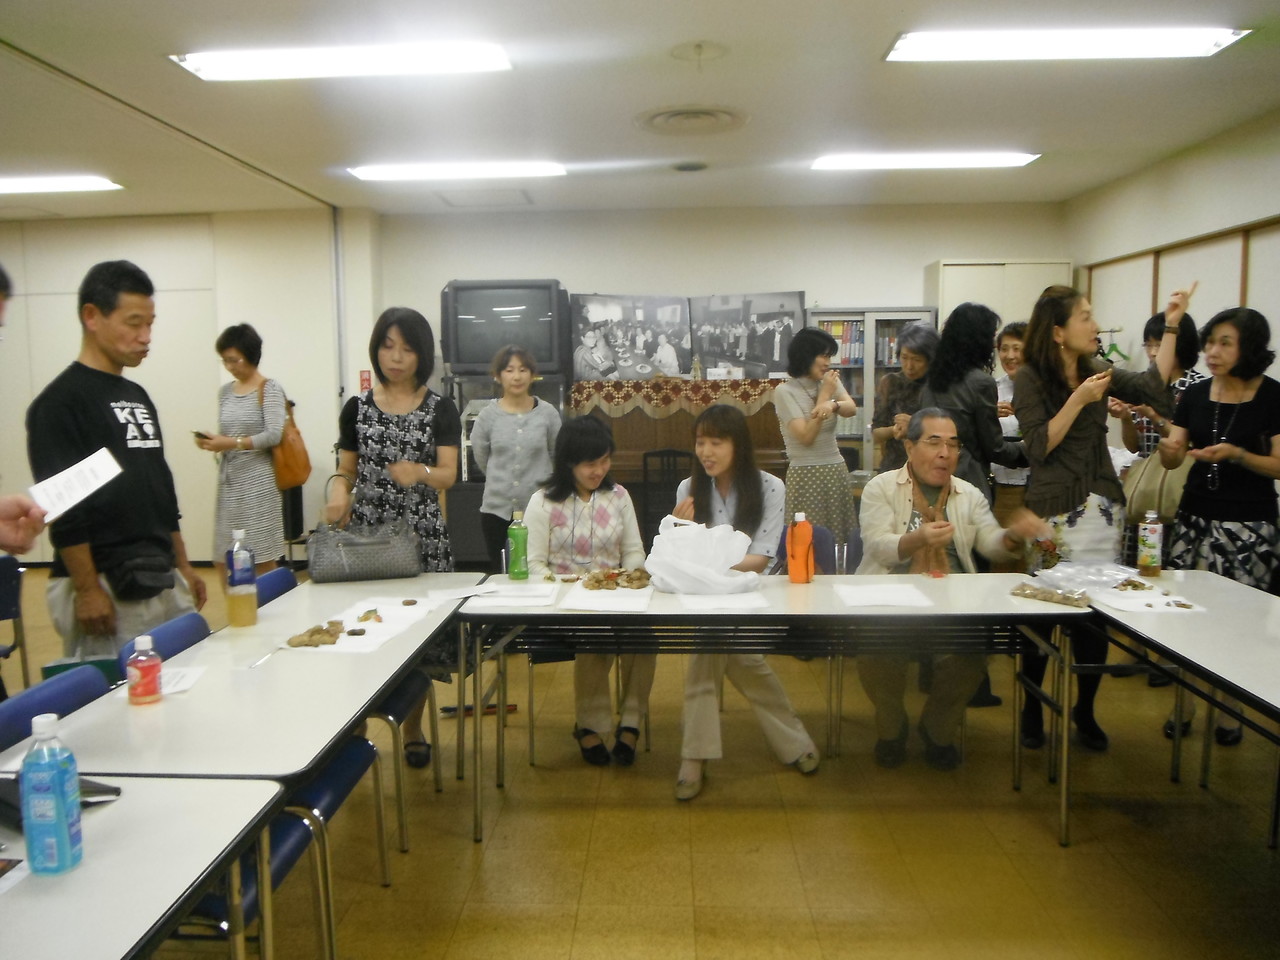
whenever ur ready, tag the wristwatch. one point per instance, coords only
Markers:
(1170, 329)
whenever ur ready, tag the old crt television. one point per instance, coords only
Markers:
(479, 317)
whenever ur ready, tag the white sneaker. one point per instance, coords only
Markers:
(807, 764)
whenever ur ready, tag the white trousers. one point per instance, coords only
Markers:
(757, 682)
(592, 698)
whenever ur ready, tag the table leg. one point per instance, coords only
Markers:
(476, 728)
(1175, 759)
(1206, 750)
(500, 735)
(266, 915)
(839, 704)
(1019, 694)
(235, 911)
(460, 716)
(1275, 808)
(1064, 766)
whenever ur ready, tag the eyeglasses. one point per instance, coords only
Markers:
(936, 443)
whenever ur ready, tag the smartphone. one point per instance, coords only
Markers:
(199, 435)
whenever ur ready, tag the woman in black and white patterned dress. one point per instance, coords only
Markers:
(251, 413)
(397, 449)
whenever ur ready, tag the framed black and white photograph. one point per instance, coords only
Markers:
(745, 334)
(629, 337)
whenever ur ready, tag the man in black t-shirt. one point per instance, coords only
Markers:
(121, 566)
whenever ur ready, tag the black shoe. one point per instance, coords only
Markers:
(944, 758)
(597, 754)
(983, 697)
(417, 754)
(1228, 736)
(1158, 679)
(1168, 728)
(623, 752)
(1088, 734)
(892, 753)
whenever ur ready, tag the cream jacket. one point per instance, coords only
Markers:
(886, 511)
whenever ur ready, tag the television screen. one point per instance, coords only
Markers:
(481, 317)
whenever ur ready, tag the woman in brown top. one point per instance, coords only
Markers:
(1059, 397)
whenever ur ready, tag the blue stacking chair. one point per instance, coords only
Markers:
(300, 826)
(824, 551)
(275, 583)
(63, 693)
(170, 638)
(11, 609)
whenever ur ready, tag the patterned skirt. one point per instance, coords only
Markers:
(824, 493)
(1246, 551)
(1088, 534)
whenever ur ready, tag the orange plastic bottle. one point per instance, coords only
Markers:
(800, 550)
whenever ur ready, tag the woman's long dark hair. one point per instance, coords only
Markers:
(967, 341)
(1041, 352)
(580, 440)
(724, 422)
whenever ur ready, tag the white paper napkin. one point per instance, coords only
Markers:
(882, 595)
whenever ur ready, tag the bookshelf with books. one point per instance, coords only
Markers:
(867, 339)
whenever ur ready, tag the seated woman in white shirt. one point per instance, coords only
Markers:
(726, 487)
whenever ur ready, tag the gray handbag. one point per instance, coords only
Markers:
(386, 551)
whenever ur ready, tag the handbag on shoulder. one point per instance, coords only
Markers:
(289, 457)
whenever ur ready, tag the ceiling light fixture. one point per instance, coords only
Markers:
(1085, 44)
(376, 60)
(491, 170)
(920, 161)
(68, 184)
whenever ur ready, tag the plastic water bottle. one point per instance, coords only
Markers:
(1150, 544)
(800, 550)
(50, 800)
(518, 547)
(242, 583)
(142, 670)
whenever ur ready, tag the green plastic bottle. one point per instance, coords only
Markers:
(518, 547)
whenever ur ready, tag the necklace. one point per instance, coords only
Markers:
(591, 527)
(1214, 480)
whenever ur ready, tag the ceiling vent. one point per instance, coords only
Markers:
(691, 120)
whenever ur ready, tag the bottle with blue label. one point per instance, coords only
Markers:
(50, 787)
(242, 582)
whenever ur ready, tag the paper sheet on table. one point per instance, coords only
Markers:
(516, 594)
(173, 680)
(436, 597)
(606, 601)
(395, 618)
(64, 490)
(1144, 601)
(882, 595)
(723, 601)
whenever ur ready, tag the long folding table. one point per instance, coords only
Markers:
(964, 613)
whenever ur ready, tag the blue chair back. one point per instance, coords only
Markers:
(171, 637)
(824, 551)
(275, 583)
(63, 693)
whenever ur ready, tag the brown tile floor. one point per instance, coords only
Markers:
(855, 862)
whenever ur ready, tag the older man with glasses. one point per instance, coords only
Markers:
(922, 519)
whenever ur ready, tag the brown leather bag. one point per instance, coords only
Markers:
(289, 456)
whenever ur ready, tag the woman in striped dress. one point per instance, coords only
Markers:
(251, 413)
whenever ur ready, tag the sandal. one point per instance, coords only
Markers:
(623, 752)
(417, 754)
(597, 754)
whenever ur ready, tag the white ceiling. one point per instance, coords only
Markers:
(87, 88)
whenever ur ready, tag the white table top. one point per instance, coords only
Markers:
(272, 720)
(1235, 639)
(143, 855)
(962, 595)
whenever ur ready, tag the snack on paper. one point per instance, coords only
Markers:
(616, 579)
(1070, 598)
(317, 636)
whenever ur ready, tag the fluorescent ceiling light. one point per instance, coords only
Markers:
(920, 161)
(385, 60)
(76, 184)
(1122, 44)
(494, 170)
